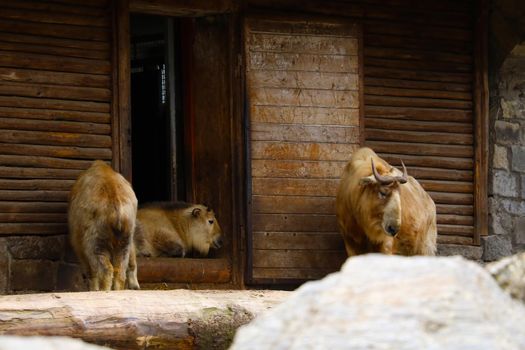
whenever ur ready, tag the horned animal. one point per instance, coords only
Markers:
(175, 229)
(381, 209)
(101, 218)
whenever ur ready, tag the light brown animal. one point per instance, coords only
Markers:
(175, 229)
(381, 209)
(102, 215)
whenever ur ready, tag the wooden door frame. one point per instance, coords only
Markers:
(225, 272)
(121, 117)
(481, 120)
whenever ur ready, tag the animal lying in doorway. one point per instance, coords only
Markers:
(102, 215)
(174, 229)
(381, 209)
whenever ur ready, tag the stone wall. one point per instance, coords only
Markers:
(37, 264)
(507, 130)
(507, 171)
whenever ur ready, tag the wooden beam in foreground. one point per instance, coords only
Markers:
(176, 319)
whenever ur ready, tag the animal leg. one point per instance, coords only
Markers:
(429, 243)
(359, 246)
(101, 272)
(349, 250)
(85, 268)
(168, 243)
(120, 266)
(131, 275)
(94, 283)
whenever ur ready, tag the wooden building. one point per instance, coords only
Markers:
(251, 106)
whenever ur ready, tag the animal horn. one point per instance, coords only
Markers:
(383, 180)
(403, 178)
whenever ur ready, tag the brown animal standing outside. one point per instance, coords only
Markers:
(381, 209)
(102, 214)
(175, 229)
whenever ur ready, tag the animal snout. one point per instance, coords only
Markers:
(217, 243)
(392, 230)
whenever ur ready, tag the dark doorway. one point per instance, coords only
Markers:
(156, 116)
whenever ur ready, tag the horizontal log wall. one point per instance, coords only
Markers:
(304, 107)
(419, 101)
(418, 106)
(55, 103)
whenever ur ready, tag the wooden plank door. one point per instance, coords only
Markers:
(304, 108)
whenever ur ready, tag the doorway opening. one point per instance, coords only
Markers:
(181, 137)
(156, 109)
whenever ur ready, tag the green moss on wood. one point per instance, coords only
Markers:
(215, 328)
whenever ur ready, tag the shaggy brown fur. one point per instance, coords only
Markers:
(365, 208)
(102, 214)
(175, 229)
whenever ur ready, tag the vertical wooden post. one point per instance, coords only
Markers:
(481, 109)
(121, 119)
(170, 65)
(115, 139)
(361, 74)
(237, 149)
(188, 32)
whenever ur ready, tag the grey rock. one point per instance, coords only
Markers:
(509, 108)
(507, 133)
(523, 186)
(70, 278)
(519, 50)
(509, 272)
(518, 158)
(514, 207)
(504, 184)
(392, 302)
(37, 247)
(496, 247)
(500, 158)
(4, 267)
(519, 231)
(33, 275)
(466, 251)
(500, 223)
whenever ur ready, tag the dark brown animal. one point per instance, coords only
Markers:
(102, 214)
(175, 229)
(381, 209)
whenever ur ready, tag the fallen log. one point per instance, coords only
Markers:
(176, 319)
(13, 342)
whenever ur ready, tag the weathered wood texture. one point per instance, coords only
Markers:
(424, 99)
(481, 109)
(184, 8)
(303, 91)
(121, 79)
(211, 110)
(55, 106)
(419, 105)
(178, 319)
(183, 270)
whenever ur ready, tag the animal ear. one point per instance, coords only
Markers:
(196, 212)
(367, 180)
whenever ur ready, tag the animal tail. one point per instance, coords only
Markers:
(119, 222)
